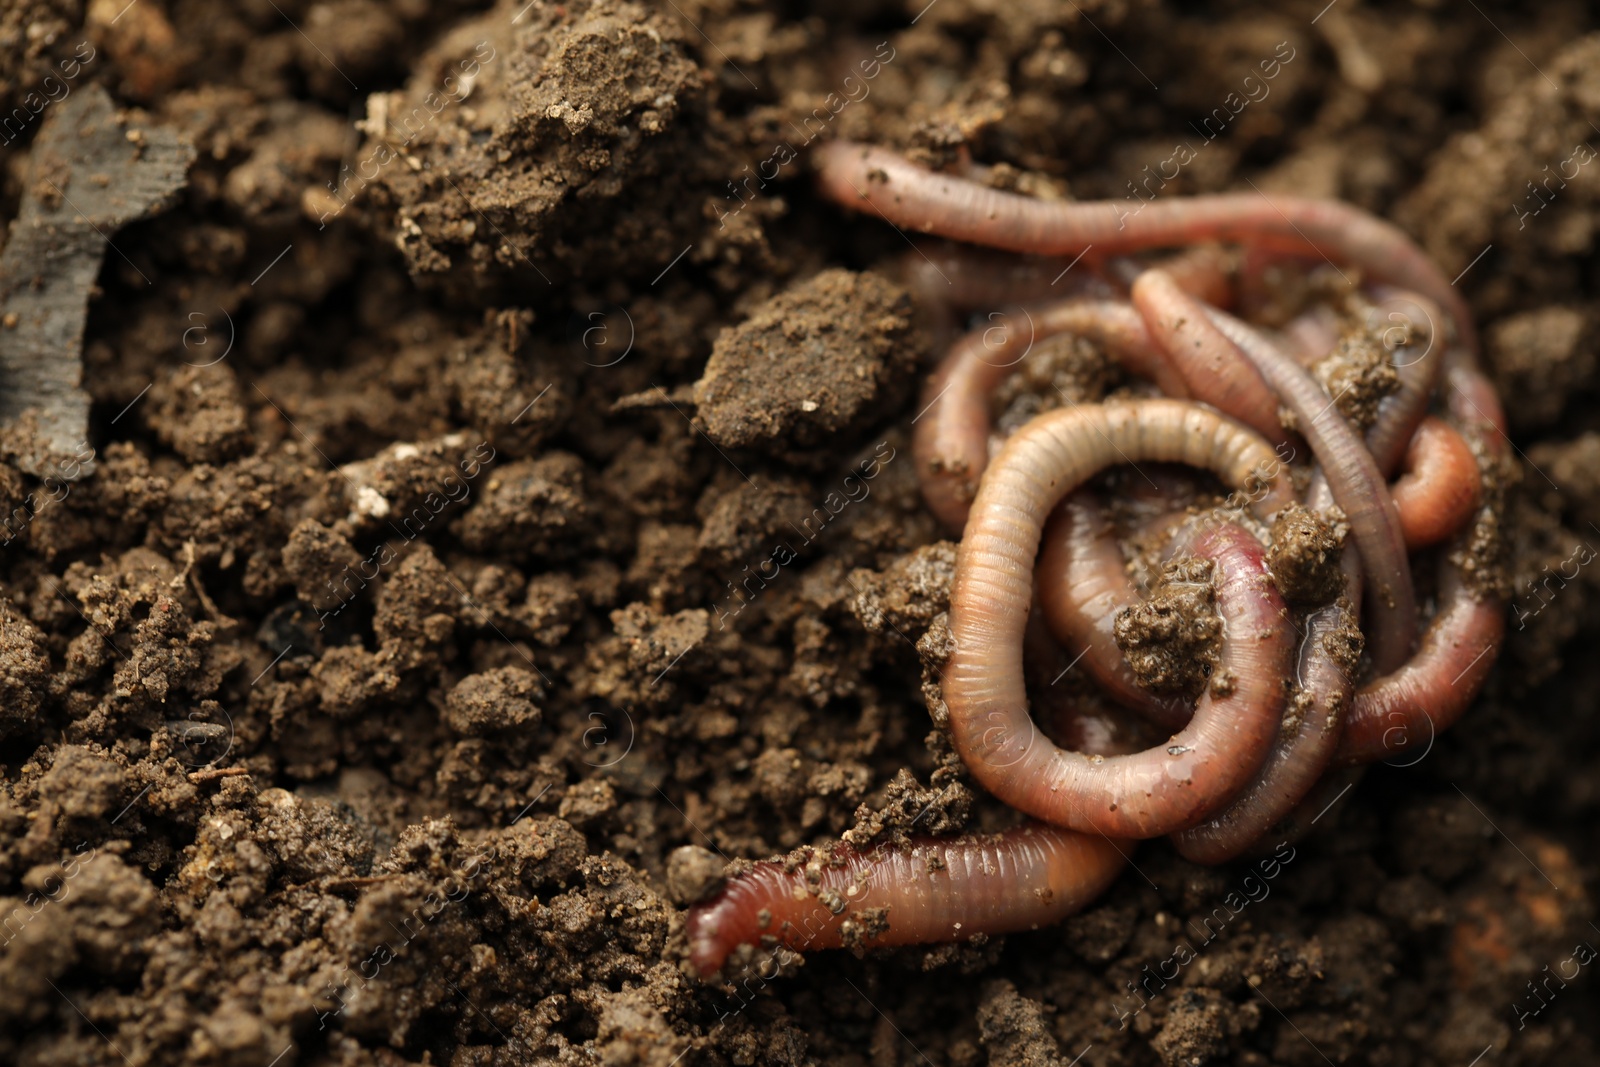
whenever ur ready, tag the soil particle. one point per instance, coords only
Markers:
(494, 701)
(1172, 639)
(545, 143)
(1358, 374)
(1063, 369)
(820, 359)
(693, 874)
(1540, 358)
(199, 414)
(1196, 1029)
(1303, 555)
(530, 508)
(323, 566)
(1522, 180)
(905, 597)
(24, 668)
(1014, 1029)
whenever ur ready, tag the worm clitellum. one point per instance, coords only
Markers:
(1311, 678)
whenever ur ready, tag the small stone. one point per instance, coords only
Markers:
(693, 874)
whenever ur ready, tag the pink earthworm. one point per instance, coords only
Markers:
(1426, 696)
(1441, 486)
(1472, 401)
(1419, 372)
(967, 278)
(950, 437)
(1312, 334)
(880, 181)
(1356, 484)
(929, 889)
(1203, 766)
(1083, 586)
(1211, 365)
(1306, 743)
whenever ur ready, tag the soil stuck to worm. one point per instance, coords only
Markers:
(421, 609)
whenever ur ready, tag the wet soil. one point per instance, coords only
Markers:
(502, 519)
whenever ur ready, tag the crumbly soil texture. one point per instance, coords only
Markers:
(501, 518)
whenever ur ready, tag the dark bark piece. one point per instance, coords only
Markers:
(90, 175)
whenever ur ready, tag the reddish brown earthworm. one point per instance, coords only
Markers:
(1306, 743)
(1082, 588)
(1201, 767)
(1395, 318)
(1211, 365)
(1473, 402)
(1241, 763)
(930, 889)
(882, 182)
(950, 437)
(1428, 694)
(1440, 488)
(1355, 482)
(966, 279)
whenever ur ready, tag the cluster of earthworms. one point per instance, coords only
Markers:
(1293, 529)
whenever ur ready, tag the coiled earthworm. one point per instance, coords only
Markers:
(931, 889)
(1357, 486)
(1167, 788)
(1211, 365)
(1431, 691)
(950, 438)
(865, 178)
(1440, 488)
(1082, 588)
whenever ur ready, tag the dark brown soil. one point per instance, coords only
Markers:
(502, 518)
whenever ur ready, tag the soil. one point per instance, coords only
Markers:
(501, 520)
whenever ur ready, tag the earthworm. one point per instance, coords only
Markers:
(1430, 692)
(931, 889)
(950, 437)
(1440, 488)
(1305, 745)
(966, 278)
(1472, 401)
(1083, 587)
(1312, 334)
(1205, 272)
(1357, 486)
(877, 180)
(1401, 411)
(1200, 768)
(1211, 365)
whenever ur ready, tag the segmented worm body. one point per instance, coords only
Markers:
(1083, 589)
(1427, 695)
(882, 182)
(1355, 482)
(931, 889)
(1202, 766)
(1286, 719)
(1440, 488)
(1210, 364)
(950, 437)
